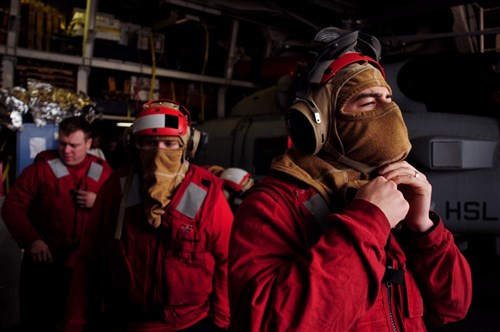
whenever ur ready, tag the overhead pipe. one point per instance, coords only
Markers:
(9, 60)
(89, 32)
(228, 74)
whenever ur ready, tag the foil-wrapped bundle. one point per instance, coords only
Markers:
(42, 103)
(13, 106)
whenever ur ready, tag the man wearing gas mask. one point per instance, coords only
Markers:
(154, 257)
(340, 236)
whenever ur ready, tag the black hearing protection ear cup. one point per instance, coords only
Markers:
(300, 82)
(307, 130)
(128, 141)
(300, 131)
(194, 143)
(128, 138)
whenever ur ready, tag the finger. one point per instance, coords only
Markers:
(400, 168)
(416, 176)
(408, 179)
(408, 172)
(40, 257)
(394, 166)
(417, 185)
(46, 256)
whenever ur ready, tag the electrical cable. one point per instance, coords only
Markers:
(205, 62)
(153, 66)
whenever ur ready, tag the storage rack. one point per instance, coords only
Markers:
(86, 61)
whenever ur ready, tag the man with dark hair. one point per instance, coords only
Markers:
(341, 236)
(46, 211)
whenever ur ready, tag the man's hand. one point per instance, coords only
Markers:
(85, 199)
(385, 195)
(40, 252)
(416, 190)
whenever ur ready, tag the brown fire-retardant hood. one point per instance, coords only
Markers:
(363, 141)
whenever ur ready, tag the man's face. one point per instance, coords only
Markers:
(154, 142)
(368, 100)
(73, 147)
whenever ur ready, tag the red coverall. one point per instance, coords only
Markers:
(287, 274)
(163, 279)
(41, 205)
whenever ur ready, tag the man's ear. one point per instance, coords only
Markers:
(89, 143)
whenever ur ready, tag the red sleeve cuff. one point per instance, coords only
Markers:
(431, 237)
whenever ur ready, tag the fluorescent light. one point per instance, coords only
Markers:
(124, 124)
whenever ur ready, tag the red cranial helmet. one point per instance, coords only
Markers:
(162, 117)
(236, 179)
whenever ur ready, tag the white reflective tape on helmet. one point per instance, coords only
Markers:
(235, 177)
(148, 122)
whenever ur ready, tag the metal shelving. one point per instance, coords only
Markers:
(10, 52)
(114, 64)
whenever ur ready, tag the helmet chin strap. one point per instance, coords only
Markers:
(358, 166)
(363, 168)
(123, 201)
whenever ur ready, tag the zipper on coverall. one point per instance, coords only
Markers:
(392, 276)
(389, 305)
(78, 214)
